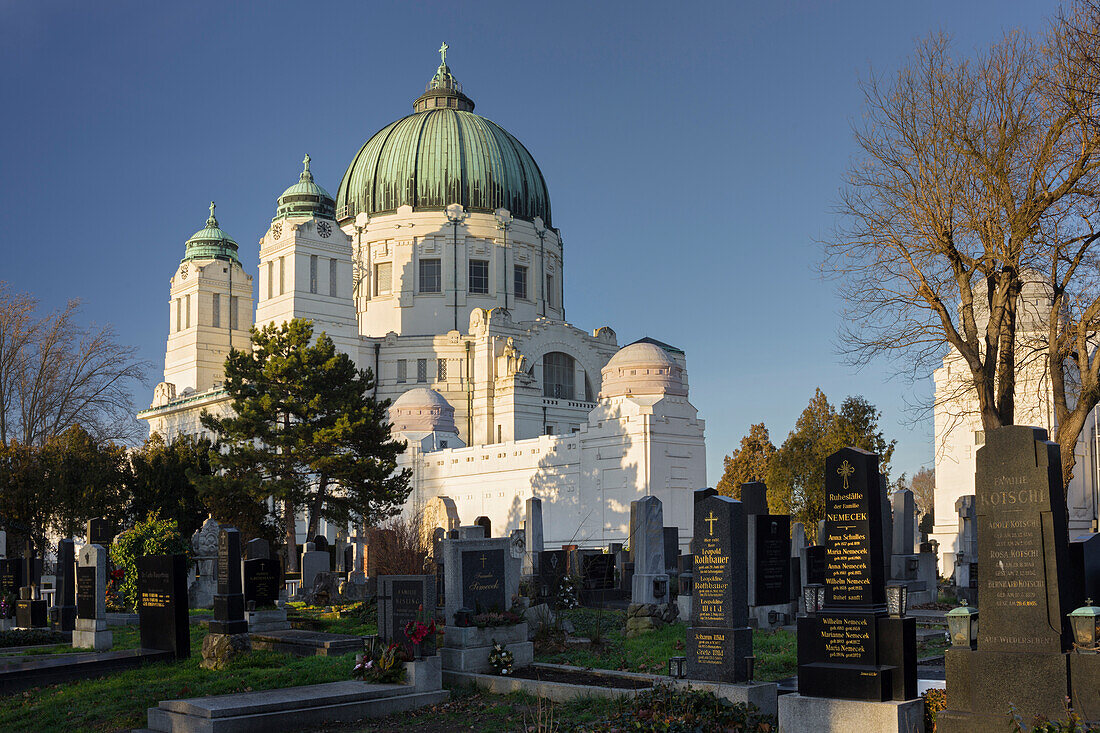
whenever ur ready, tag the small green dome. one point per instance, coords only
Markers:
(306, 198)
(210, 243)
(443, 154)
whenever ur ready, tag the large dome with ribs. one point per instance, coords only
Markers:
(442, 154)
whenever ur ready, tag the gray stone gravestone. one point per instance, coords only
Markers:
(91, 630)
(1025, 591)
(314, 562)
(649, 553)
(534, 539)
(64, 610)
(905, 564)
(966, 553)
(204, 549)
(472, 532)
(480, 576)
(719, 640)
(905, 515)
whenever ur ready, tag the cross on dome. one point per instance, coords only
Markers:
(443, 53)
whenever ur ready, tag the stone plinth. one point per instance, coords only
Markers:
(267, 620)
(801, 714)
(466, 649)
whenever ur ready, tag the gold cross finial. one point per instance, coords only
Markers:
(846, 469)
(710, 521)
(443, 53)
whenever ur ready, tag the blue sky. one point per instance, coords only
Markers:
(693, 152)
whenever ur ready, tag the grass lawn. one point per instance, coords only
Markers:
(775, 651)
(357, 619)
(119, 702)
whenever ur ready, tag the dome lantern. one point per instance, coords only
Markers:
(210, 243)
(305, 198)
(443, 90)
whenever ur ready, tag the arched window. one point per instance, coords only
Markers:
(558, 371)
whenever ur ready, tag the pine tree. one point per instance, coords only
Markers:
(305, 431)
(747, 463)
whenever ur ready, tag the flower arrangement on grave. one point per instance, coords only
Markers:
(490, 619)
(7, 606)
(569, 592)
(500, 659)
(386, 668)
(421, 628)
(112, 595)
(935, 700)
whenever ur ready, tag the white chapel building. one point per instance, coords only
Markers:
(437, 265)
(959, 433)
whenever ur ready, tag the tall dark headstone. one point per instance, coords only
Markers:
(719, 639)
(1025, 589)
(553, 565)
(262, 581)
(11, 579)
(754, 498)
(769, 575)
(229, 600)
(483, 580)
(100, 531)
(64, 610)
(850, 648)
(486, 524)
(162, 604)
(257, 549)
(91, 605)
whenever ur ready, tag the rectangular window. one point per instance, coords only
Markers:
(402, 370)
(422, 370)
(216, 311)
(383, 278)
(332, 277)
(313, 273)
(234, 307)
(179, 314)
(441, 370)
(550, 290)
(431, 276)
(549, 429)
(479, 276)
(270, 280)
(187, 312)
(282, 275)
(521, 281)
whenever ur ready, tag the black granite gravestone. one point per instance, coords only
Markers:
(772, 559)
(86, 592)
(1025, 590)
(719, 639)
(597, 572)
(64, 611)
(672, 549)
(815, 565)
(11, 580)
(483, 581)
(257, 549)
(851, 649)
(552, 568)
(100, 531)
(162, 604)
(32, 566)
(262, 581)
(320, 543)
(30, 613)
(229, 600)
(401, 599)
(754, 498)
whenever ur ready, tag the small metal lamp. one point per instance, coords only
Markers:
(677, 667)
(660, 586)
(1086, 628)
(962, 624)
(464, 617)
(897, 599)
(813, 596)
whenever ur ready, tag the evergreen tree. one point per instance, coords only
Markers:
(796, 473)
(164, 479)
(305, 431)
(747, 463)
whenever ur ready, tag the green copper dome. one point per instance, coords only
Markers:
(442, 154)
(210, 243)
(306, 198)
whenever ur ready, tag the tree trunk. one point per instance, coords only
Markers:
(291, 537)
(315, 509)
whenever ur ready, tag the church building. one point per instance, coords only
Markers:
(438, 266)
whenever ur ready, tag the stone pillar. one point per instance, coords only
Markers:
(229, 630)
(533, 528)
(64, 611)
(91, 630)
(905, 510)
(649, 553)
(966, 554)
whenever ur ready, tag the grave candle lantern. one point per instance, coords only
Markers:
(813, 596)
(1086, 628)
(897, 598)
(677, 667)
(962, 624)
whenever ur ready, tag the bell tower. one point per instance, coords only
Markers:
(210, 310)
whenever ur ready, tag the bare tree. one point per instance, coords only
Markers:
(56, 373)
(976, 184)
